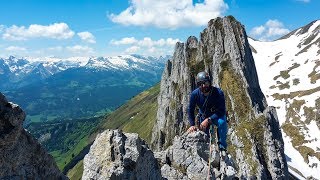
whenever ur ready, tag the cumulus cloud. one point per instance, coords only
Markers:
(169, 14)
(56, 48)
(145, 42)
(257, 31)
(87, 37)
(271, 30)
(153, 50)
(146, 46)
(15, 48)
(132, 49)
(77, 49)
(53, 31)
(124, 41)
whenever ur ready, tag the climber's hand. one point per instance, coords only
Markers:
(204, 125)
(192, 129)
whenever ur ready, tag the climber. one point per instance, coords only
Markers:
(212, 110)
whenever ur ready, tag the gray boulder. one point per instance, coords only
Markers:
(115, 155)
(188, 158)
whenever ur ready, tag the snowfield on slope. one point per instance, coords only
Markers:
(289, 76)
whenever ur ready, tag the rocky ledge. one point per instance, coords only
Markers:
(117, 155)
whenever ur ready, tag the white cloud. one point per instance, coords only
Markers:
(15, 48)
(257, 31)
(56, 48)
(172, 42)
(170, 14)
(147, 46)
(87, 36)
(132, 49)
(152, 50)
(271, 30)
(77, 49)
(54, 31)
(145, 42)
(124, 41)
(54, 51)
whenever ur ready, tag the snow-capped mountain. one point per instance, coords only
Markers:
(53, 88)
(17, 72)
(289, 76)
(127, 62)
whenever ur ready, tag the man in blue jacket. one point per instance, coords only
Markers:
(212, 109)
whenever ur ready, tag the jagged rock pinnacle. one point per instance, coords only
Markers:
(223, 51)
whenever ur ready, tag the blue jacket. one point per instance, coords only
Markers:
(214, 109)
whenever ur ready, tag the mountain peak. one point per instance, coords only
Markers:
(255, 141)
(311, 28)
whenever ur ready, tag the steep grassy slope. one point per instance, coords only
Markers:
(76, 172)
(138, 115)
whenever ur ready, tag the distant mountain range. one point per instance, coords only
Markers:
(52, 88)
(17, 72)
(289, 76)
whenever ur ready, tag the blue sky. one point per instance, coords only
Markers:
(65, 28)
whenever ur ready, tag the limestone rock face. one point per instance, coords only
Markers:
(115, 155)
(21, 156)
(188, 158)
(254, 136)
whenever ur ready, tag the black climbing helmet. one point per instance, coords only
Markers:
(202, 77)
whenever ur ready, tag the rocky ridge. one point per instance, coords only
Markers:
(254, 137)
(21, 156)
(117, 155)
